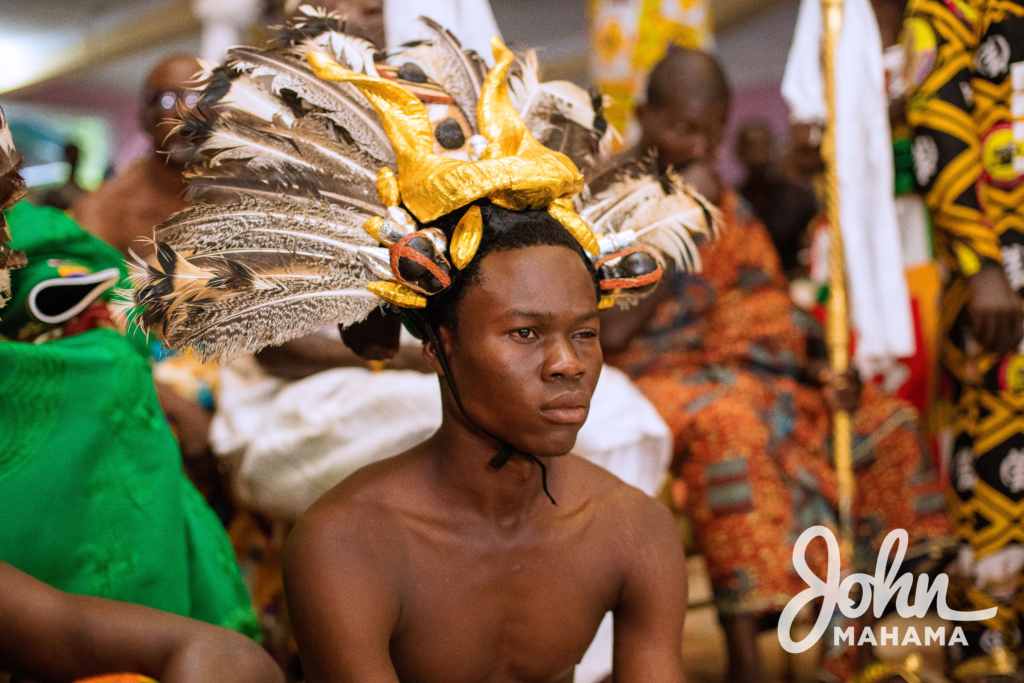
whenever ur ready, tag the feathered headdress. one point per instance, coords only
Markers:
(317, 167)
(12, 189)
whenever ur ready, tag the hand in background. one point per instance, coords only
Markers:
(997, 322)
(842, 391)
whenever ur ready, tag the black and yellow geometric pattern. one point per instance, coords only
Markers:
(944, 35)
(968, 162)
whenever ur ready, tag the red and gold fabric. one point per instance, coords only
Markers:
(721, 360)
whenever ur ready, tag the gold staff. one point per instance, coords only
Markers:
(837, 334)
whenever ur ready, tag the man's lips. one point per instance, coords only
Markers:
(567, 409)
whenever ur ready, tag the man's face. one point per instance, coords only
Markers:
(684, 131)
(526, 355)
(170, 94)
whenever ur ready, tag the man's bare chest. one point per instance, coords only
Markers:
(495, 611)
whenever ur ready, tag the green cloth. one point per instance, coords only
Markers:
(903, 165)
(55, 245)
(92, 495)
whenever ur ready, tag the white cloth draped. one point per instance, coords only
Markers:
(874, 262)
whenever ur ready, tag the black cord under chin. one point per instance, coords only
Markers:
(505, 450)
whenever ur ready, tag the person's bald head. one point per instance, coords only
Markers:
(177, 71)
(168, 94)
(686, 109)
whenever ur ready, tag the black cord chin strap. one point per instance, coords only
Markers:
(505, 450)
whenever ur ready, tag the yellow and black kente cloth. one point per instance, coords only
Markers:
(967, 57)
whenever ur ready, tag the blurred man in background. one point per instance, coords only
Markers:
(739, 373)
(785, 208)
(125, 209)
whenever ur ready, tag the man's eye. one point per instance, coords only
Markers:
(587, 334)
(523, 333)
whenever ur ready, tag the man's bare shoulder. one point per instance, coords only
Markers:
(365, 504)
(624, 510)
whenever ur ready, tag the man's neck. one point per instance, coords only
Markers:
(461, 455)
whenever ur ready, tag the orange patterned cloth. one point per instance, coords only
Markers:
(722, 360)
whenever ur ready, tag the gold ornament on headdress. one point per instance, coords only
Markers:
(466, 238)
(515, 172)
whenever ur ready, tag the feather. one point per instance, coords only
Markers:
(12, 189)
(233, 182)
(318, 24)
(458, 72)
(349, 51)
(560, 114)
(340, 102)
(302, 149)
(12, 185)
(277, 222)
(5, 286)
(233, 279)
(664, 213)
(231, 91)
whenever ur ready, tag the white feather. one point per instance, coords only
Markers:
(247, 96)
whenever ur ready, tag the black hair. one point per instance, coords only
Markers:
(694, 73)
(504, 230)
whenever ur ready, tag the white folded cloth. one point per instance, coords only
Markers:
(871, 237)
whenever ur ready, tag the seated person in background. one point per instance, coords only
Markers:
(738, 373)
(126, 208)
(49, 635)
(785, 208)
(93, 496)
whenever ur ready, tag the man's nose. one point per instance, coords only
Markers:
(562, 361)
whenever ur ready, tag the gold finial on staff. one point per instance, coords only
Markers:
(837, 333)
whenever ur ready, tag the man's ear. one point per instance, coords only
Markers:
(430, 356)
(444, 336)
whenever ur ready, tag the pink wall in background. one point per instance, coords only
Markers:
(119, 108)
(755, 102)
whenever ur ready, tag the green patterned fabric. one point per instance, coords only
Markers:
(93, 499)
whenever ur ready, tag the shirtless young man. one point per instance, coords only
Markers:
(449, 562)
(433, 566)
